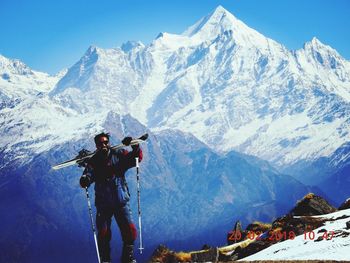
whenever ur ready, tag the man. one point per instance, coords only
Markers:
(107, 170)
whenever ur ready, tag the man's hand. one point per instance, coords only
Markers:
(127, 140)
(84, 181)
(135, 147)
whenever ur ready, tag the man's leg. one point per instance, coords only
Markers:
(104, 234)
(128, 232)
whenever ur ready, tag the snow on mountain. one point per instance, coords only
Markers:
(336, 247)
(227, 84)
(29, 119)
(330, 66)
(220, 80)
(31, 122)
(18, 81)
(257, 98)
(132, 45)
(101, 79)
(221, 21)
(32, 129)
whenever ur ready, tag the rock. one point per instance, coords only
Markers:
(237, 234)
(252, 249)
(211, 255)
(161, 253)
(258, 227)
(311, 205)
(238, 226)
(345, 205)
(205, 247)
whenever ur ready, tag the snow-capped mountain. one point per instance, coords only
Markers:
(18, 81)
(221, 81)
(225, 83)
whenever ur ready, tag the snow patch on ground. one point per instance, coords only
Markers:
(301, 248)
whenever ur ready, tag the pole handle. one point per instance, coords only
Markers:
(137, 162)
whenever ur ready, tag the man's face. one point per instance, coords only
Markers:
(103, 144)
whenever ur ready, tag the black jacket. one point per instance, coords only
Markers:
(108, 174)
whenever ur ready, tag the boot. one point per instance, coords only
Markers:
(128, 254)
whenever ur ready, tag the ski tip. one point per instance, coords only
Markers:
(62, 165)
(57, 167)
(144, 137)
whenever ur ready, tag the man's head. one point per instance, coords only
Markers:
(102, 142)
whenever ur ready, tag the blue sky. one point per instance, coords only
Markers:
(51, 35)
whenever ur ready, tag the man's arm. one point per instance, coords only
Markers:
(128, 158)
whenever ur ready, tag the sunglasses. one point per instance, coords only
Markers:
(103, 142)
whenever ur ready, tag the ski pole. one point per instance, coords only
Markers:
(92, 223)
(138, 202)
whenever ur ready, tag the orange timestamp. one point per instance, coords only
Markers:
(278, 235)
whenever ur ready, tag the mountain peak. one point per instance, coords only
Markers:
(316, 44)
(3, 61)
(216, 22)
(221, 21)
(2, 57)
(323, 53)
(15, 66)
(220, 10)
(130, 45)
(315, 40)
(91, 50)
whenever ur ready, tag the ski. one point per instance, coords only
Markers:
(84, 155)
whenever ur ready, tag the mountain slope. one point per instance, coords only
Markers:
(18, 81)
(220, 80)
(225, 83)
(181, 178)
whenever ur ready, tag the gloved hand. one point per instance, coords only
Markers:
(84, 181)
(135, 147)
(127, 140)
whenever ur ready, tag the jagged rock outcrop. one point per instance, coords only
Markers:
(311, 205)
(235, 235)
